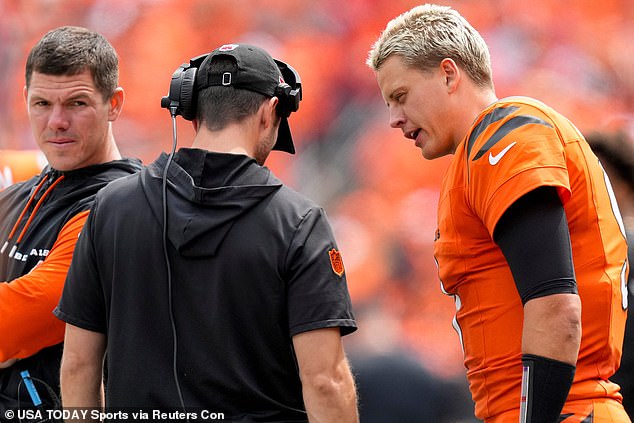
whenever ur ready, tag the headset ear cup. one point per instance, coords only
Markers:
(188, 94)
(282, 92)
(290, 91)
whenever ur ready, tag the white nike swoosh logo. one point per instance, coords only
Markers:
(493, 160)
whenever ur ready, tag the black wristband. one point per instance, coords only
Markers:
(545, 386)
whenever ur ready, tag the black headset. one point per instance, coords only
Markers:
(183, 93)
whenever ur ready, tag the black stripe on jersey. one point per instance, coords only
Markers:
(506, 128)
(491, 117)
(588, 419)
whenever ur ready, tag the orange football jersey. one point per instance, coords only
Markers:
(513, 147)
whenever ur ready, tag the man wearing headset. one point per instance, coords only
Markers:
(238, 300)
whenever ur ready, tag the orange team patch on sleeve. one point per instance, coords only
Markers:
(336, 262)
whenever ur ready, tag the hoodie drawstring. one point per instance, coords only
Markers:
(26, 207)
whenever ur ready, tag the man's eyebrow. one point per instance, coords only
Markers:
(36, 97)
(395, 92)
(74, 96)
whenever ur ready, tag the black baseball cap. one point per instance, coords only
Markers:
(256, 71)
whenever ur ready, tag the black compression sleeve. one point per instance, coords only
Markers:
(545, 386)
(533, 236)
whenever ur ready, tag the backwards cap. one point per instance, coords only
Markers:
(257, 71)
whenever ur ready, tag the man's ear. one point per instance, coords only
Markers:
(269, 113)
(116, 104)
(451, 73)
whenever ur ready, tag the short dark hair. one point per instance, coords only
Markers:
(69, 50)
(219, 106)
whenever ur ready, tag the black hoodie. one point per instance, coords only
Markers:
(25, 240)
(252, 264)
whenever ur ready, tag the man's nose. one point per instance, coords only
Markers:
(397, 118)
(59, 118)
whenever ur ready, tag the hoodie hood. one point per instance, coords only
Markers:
(207, 193)
(87, 181)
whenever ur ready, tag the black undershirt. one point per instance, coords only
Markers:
(534, 237)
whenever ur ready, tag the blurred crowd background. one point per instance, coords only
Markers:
(381, 195)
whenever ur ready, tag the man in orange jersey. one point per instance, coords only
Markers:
(529, 233)
(72, 97)
(19, 165)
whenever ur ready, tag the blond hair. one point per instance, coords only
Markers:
(427, 34)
